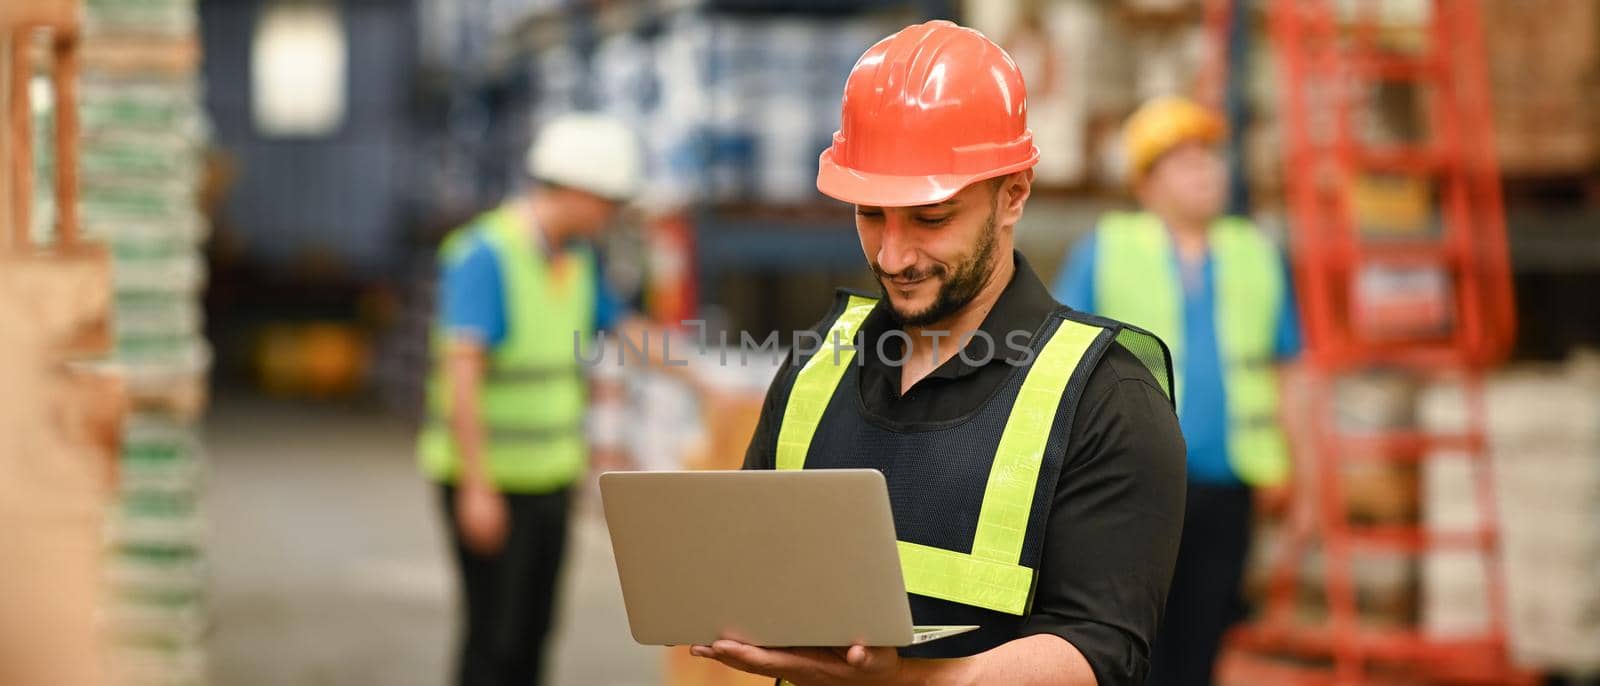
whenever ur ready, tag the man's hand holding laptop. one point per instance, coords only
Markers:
(856, 664)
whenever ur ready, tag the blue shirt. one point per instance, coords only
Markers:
(1202, 408)
(473, 300)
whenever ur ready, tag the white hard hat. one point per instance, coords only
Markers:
(590, 152)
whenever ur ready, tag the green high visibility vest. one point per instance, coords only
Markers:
(992, 573)
(1136, 281)
(534, 394)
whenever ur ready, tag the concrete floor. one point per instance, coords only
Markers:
(329, 564)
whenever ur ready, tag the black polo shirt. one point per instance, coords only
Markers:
(1112, 536)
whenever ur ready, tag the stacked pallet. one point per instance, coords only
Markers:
(60, 415)
(142, 131)
(1544, 433)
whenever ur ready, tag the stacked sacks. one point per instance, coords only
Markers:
(143, 132)
(1544, 443)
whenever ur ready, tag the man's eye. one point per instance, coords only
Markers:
(933, 221)
(869, 214)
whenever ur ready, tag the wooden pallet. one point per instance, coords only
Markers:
(140, 55)
(60, 421)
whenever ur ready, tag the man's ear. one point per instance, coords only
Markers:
(1014, 193)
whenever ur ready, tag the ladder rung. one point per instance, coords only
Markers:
(1411, 539)
(1470, 659)
(1443, 352)
(1311, 640)
(1400, 159)
(1406, 446)
(1394, 68)
(1407, 253)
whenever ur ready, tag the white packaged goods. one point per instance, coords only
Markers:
(1168, 62)
(158, 105)
(142, 17)
(156, 569)
(155, 371)
(143, 317)
(147, 665)
(1452, 594)
(141, 164)
(148, 199)
(157, 350)
(110, 160)
(148, 366)
(155, 519)
(664, 419)
(1401, 302)
(715, 128)
(622, 74)
(145, 530)
(171, 622)
(786, 160)
(1449, 490)
(181, 274)
(160, 456)
(186, 228)
(1544, 442)
(1375, 402)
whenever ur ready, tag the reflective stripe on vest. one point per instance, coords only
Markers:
(814, 384)
(992, 576)
(1136, 281)
(538, 373)
(526, 435)
(533, 396)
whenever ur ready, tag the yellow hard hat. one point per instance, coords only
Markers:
(1162, 124)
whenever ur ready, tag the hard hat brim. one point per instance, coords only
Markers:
(892, 190)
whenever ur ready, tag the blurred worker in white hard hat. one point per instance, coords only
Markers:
(505, 433)
(1215, 289)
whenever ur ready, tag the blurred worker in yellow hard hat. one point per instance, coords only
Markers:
(1032, 454)
(1216, 289)
(505, 433)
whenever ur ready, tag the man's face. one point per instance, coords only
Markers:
(931, 260)
(590, 214)
(1189, 181)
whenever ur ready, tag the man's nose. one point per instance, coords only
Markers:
(897, 251)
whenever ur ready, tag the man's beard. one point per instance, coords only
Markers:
(956, 288)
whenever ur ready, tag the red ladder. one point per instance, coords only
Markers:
(1432, 300)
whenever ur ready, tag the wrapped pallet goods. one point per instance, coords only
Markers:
(145, 18)
(143, 133)
(1544, 444)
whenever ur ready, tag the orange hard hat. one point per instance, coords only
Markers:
(926, 112)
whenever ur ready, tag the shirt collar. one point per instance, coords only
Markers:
(1022, 306)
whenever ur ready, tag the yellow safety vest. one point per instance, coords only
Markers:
(534, 393)
(992, 576)
(1136, 281)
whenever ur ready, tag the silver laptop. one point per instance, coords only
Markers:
(793, 558)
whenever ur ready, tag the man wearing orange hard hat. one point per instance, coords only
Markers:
(1033, 458)
(1215, 289)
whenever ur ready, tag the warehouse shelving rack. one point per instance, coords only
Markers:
(1331, 61)
(727, 234)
